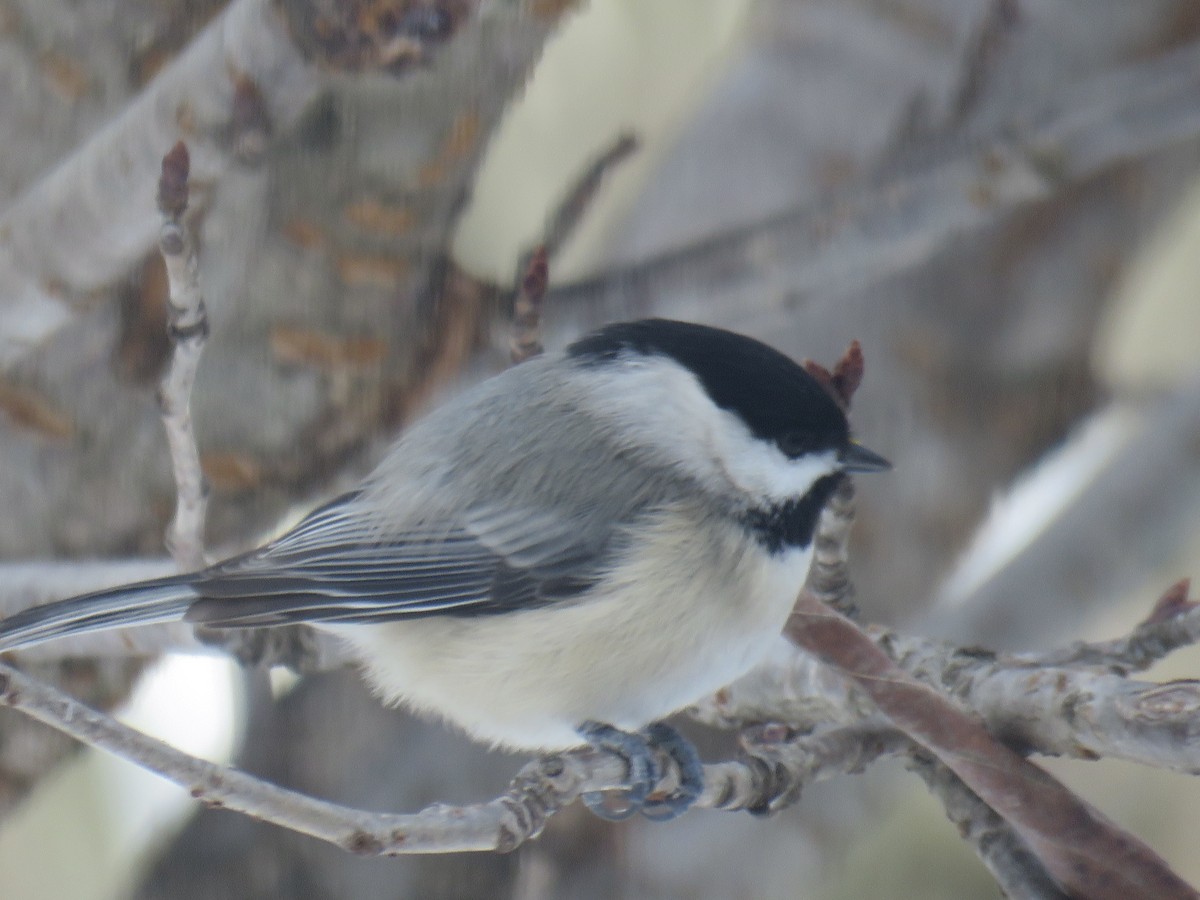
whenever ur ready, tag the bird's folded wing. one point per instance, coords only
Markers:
(333, 568)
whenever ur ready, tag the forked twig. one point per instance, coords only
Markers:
(1081, 851)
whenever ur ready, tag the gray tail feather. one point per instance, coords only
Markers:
(145, 603)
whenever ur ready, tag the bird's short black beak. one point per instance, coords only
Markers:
(857, 458)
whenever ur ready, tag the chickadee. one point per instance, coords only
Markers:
(565, 554)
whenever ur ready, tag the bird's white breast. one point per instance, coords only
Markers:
(690, 610)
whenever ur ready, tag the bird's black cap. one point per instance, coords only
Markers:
(777, 399)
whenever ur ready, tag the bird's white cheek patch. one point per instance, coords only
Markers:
(762, 470)
(664, 407)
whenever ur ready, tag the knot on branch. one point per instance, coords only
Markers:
(173, 183)
(364, 35)
(775, 782)
(1177, 702)
(537, 792)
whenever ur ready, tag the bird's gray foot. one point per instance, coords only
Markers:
(640, 752)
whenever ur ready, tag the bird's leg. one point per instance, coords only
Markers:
(691, 773)
(640, 752)
(643, 771)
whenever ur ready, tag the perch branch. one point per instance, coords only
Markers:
(1086, 854)
(570, 211)
(772, 773)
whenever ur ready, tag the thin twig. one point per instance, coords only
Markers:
(1173, 623)
(526, 341)
(187, 325)
(570, 211)
(829, 578)
(534, 278)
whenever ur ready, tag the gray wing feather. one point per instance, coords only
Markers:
(352, 561)
(333, 568)
(161, 600)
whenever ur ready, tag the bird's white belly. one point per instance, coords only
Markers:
(626, 656)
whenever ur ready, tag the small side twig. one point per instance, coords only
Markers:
(1172, 624)
(534, 269)
(979, 56)
(570, 210)
(187, 325)
(829, 577)
(526, 341)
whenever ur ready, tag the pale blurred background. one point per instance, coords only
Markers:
(1031, 370)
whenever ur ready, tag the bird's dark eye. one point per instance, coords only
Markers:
(796, 443)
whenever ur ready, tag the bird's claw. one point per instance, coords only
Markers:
(640, 752)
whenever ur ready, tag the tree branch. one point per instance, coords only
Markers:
(76, 230)
(1018, 871)
(525, 339)
(773, 774)
(1085, 853)
(1082, 852)
(901, 217)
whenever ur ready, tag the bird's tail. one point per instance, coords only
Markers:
(145, 603)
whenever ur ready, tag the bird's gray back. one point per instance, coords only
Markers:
(490, 447)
